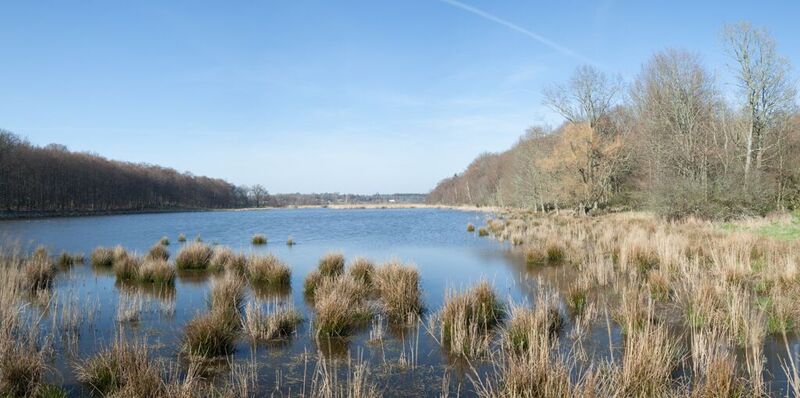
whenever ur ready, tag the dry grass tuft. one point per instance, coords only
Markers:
(123, 370)
(194, 256)
(398, 287)
(268, 271)
(259, 239)
(466, 319)
(340, 306)
(102, 257)
(274, 324)
(362, 270)
(331, 264)
(157, 252)
(210, 335)
(156, 272)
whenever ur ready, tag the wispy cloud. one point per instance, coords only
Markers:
(519, 29)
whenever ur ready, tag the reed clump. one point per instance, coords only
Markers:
(126, 267)
(194, 257)
(290, 241)
(156, 271)
(124, 369)
(482, 231)
(274, 324)
(398, 287)
(224, 259)
(210, 335)
(259, 239)
(39, 271)
(268, 271)
(331, 264)
(102, 257)
(467, 317)
(470, 227)
(157, 252)
(340, 306)
(363, 270)
(181, 238)
(164, 241)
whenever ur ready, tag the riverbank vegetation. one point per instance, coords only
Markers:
(669, 141)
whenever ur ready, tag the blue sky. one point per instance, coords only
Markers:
(313, 96)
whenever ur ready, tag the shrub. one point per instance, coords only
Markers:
(194, 256)
(362, 270)
(278, 323)
(399, 290)
(158, 252)
(102, 257)
(331, 264)
(268, 270)
(259, 239)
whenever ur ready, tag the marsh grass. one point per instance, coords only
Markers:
(102, 257)
(211, 334)
(331, 264)
(276, 323)
(467, 317)
(39, 271)
(227, 294)
(268, 271)
(398, 287)
(259, 239)
(194, 257)
(470, 227)
(290, 241)
(157, 271)
(482, 231)
(224, 259)
(181, 238)
(340, 306)
(362, 270)
(157, 252)
(124, 369)
(126, 267)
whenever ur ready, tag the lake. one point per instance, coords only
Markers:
(434, 240)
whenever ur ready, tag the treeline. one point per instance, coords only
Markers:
(52, 179)
(323, 199)
(668, 141)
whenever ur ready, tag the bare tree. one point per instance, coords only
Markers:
(763, 77)
(587, 97)
(259, 194)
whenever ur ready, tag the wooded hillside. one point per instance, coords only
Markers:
(54, 179)
(669, 141)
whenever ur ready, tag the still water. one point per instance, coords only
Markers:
(434, 240)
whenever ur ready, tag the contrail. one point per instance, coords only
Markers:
(541, 39)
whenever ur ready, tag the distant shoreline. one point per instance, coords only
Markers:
(35, 215)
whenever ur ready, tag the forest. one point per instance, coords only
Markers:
(53, 180)
(670, 141)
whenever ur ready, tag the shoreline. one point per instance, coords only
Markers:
(37, 215)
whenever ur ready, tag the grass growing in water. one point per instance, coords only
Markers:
(467, 317)
(339, 304)
(274, 324)
(259, 239)
(470, 227)
(194, 256)
(331, 264)
(398, 287)
(124, 369)
(157, 252)
(102, 257)
(362, 270)
(268, 271)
